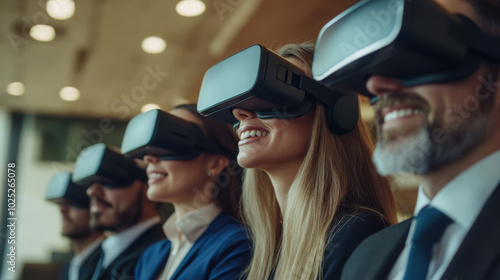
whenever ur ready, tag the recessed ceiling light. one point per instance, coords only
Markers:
(149, 107)
(154, 45)
(69, 94)
(190, 8)
(42, 32)
(15, 88)
(60, 9)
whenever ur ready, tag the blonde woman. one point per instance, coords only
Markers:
(309, 196)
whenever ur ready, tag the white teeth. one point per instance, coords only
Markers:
(253, 133)
(400, 113)
(156, 175)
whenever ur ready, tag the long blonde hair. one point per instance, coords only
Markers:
(336, 172)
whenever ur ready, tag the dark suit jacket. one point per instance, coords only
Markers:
(222, 252)
(477, 258)
(350, 232)
(87, 268)
(122, 267)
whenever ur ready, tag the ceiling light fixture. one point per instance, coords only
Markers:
(15, 88)
(69, 94)
(154, 45)
(42, 32)
(60, 9)
(149, 107)
(190, 8)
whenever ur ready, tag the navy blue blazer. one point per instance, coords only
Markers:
(222, 252)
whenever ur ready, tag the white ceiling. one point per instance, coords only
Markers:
(99, 50)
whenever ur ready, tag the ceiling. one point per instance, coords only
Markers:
(99, 50)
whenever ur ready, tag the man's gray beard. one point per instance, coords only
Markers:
(420, 154)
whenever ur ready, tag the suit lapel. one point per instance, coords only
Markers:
(393, 244)
(135, 249)
(157, 265)
(216, 224)
(480, 247)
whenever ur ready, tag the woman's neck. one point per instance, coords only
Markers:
(181, 209)
(282, 179)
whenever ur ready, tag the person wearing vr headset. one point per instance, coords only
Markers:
(191, 164)
(117, 189)
(310, 192)
(445, 127)
(74, 207)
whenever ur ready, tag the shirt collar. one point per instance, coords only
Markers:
(87, 251)
(78, 259)
(191, 225)
(463, 197)
(115, 244)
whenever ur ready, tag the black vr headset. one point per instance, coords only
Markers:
(171, 138)
(414, 41)
(259, 80)
(98, 163)
(62, 189)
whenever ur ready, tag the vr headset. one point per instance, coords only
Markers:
(259, 80)
(62, 189)
(171, 138)
(98, 163)
(416, 42)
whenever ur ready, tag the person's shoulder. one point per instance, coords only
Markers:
(387, 234)
(351, 227)
(370, 259)
(229, 225)
(360, 223)
(229, 233)
(155, 249)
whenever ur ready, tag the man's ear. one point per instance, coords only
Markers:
(217, 164)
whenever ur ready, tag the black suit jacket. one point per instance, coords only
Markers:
(477, 258)
(87, 268)
(347, 235)
(122, 268)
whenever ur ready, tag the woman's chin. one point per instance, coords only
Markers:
(247, 161)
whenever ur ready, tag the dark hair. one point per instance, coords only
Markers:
(488, 17)
(228, 184)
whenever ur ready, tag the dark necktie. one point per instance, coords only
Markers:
(430, 226)
(98, 268)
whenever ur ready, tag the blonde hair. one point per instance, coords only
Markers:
(336, 173)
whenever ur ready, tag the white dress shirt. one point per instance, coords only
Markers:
(77, 260)
(183, 233)
(115, 244)
(461, 200)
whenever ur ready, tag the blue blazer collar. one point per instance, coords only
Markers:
(220, 221)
